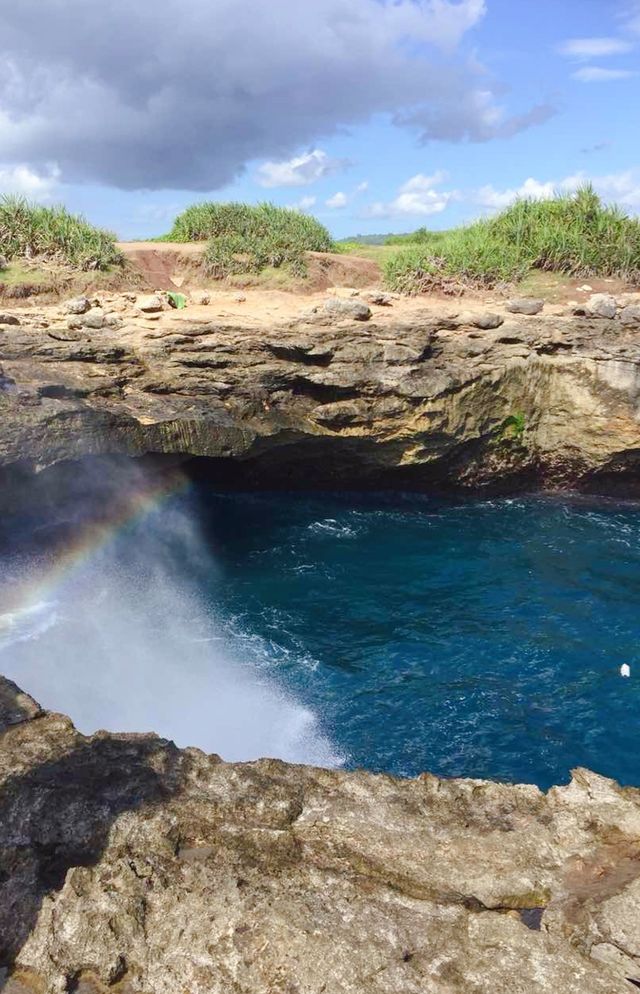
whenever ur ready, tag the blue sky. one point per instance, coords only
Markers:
(372, 115)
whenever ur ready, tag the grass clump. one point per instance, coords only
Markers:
(30, 230)
(575, 234)
(246, 238)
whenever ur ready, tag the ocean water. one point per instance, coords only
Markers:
(398, 633)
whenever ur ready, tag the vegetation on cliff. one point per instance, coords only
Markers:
(246, 238)
(575, 234)
(29, 230)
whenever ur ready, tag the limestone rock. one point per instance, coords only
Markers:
(487, 321)
(79, 305)
(420, 400)
(599, 305)
(630, 315)
(8, 318)
(151, 304)
(127, 864)
(94, 319)
(355, 310)
(200, 297)
(377, 297)
(525, 305)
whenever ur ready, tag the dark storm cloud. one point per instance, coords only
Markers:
(183, 93)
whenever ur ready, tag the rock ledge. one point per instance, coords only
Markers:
(128, 865)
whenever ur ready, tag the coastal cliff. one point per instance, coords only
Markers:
(128, 865)
(416, 396)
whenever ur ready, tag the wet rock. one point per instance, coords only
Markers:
(355, 310)
(525, 305)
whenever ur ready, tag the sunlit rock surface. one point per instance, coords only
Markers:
(129, 865)
(415, 396)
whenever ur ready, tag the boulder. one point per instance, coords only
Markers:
(630, 315)
(525, 305)
(355, 310)
(152, 304)
(79, 305)
(377, 297)
(599, 305)
(8, 319)
(94, 319)
(487, 320)
(200, 297)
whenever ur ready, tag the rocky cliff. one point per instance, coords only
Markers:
(128, 865)
(416, 396)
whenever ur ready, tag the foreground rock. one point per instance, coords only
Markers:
(415, 396)
(129, 865)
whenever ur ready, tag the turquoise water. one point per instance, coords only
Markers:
(478, 639)
(399, 633)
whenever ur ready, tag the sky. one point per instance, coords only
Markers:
(373, 115)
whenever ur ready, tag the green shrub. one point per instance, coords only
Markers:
(420, 237)
(574, 234)
(246, 238)
(30, 230)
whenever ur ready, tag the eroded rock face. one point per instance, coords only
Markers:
(130, 865)
(420, 402)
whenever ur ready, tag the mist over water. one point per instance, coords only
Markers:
(394, 632)
(122, 639)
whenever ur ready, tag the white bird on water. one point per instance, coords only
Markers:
(625, 670)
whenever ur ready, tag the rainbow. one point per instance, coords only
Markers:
(91, 537)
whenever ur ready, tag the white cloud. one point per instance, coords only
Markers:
(337, 201)
(488, 196)
(303, 205)
(185, 95)
(621, 188)
(631, 17)
(596, 74)
(594, 48)
(419, 196)
(24, 181)
(302, 170)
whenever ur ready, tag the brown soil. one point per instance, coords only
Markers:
(170, 266)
